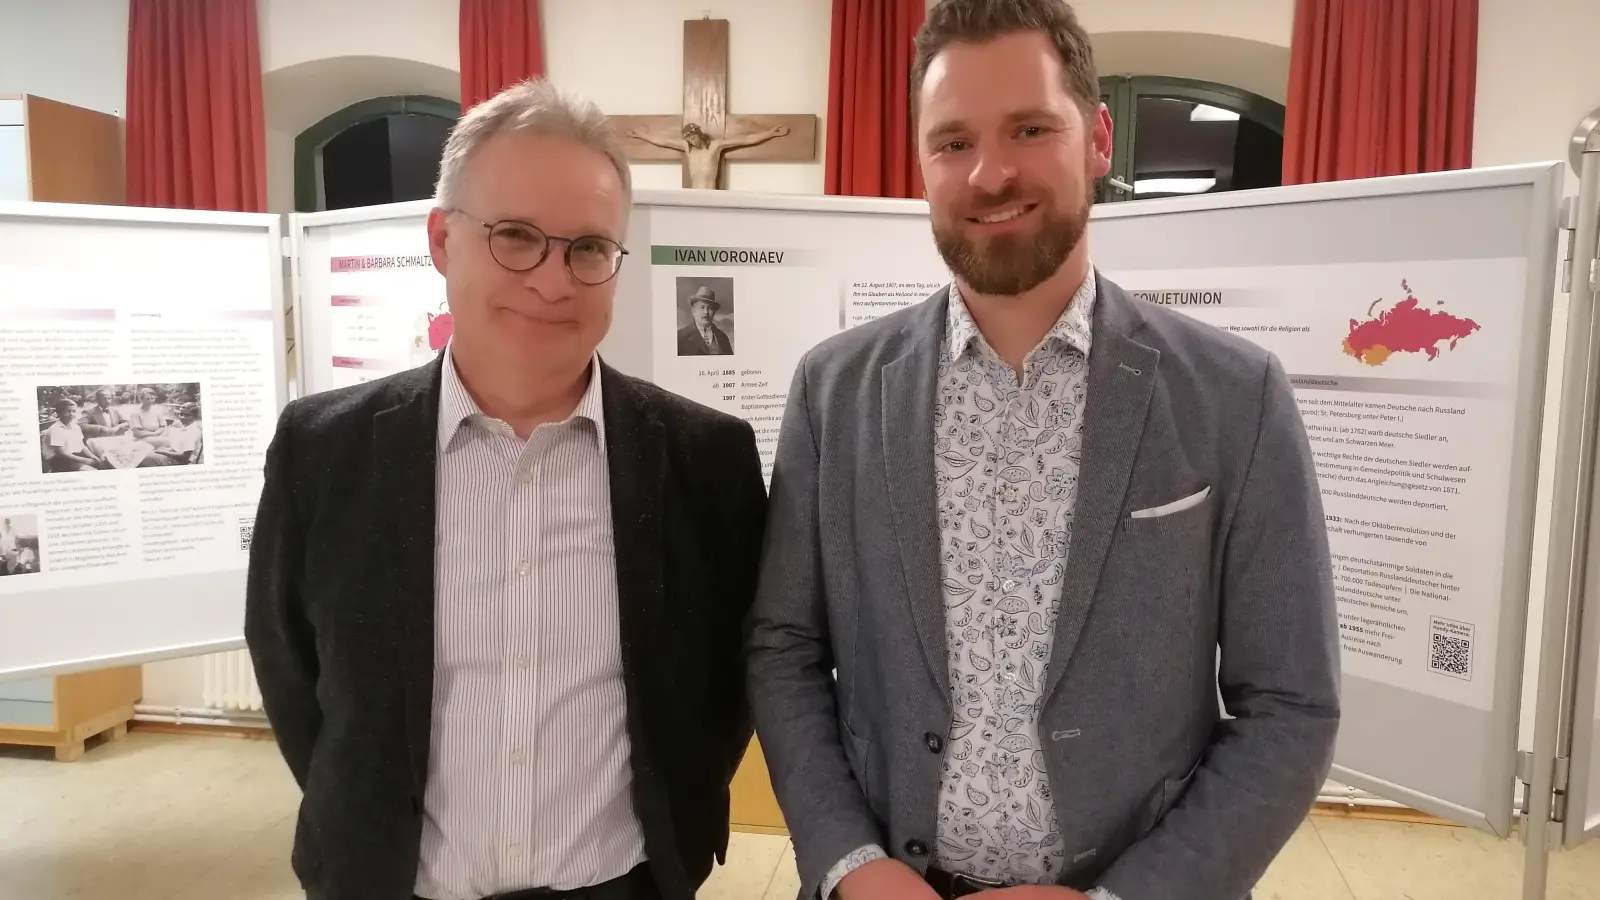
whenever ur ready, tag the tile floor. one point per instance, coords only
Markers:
(163, 817)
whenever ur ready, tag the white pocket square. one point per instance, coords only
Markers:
(1176, 506)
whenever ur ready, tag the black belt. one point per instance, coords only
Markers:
(951, 885)
(636, 885)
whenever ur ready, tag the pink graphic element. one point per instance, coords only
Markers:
(59, 315)
(339, 300)
(440, 327)
(351, 362)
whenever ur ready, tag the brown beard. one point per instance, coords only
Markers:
(1010, 264)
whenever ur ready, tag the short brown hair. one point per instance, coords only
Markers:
(980, 21)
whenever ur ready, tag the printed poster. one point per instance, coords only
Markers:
(1406, 377)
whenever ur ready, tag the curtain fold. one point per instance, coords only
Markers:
(1380, 87)
(870, 150)
(196, 133)
(501, 45)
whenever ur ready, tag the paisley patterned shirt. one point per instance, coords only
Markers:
(1007, 450)
(1007, 454)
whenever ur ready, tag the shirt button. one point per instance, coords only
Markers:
(519, 756)
(916, 848)
(935, 743)
(514, 849)
(524, 567)
(1009, 585)
(522, 661)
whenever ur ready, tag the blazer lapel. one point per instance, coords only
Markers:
(405, 460)
(636, 460)
(1122, 376)
(909, 387)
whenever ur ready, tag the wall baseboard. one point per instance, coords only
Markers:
(1371, 811)
(247, 732)
(216, 722)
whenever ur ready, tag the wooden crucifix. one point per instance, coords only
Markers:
(706, 134)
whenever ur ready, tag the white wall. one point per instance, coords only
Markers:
(1266, 21)
(300, 31)
(74, 51)
(1244, 43)
(1538, 76)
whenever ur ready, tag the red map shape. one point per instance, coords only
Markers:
(440, 327)
(1407, 328)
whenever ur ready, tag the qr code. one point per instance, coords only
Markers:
(247, 530)
(1451, 650)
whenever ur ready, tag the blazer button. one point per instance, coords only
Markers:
(916, 848)
(935, 743)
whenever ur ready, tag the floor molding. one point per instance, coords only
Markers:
(1379, 813)
(245, 732)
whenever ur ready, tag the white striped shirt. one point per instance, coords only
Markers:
(529, 778)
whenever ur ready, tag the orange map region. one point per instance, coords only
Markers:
(1407, 328)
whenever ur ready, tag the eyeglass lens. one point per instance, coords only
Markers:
(519, 247)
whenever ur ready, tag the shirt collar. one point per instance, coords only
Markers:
(1074, 328)
(457, 408)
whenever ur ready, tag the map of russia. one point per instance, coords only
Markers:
(1408, 327)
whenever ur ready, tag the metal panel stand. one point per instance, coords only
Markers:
(1571, 571)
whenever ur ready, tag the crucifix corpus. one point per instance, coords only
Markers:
(706, 134)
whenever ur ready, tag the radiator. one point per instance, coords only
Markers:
(230, 682)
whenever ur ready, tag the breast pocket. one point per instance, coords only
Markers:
(1154, 583)
(1175, 508)
(1172, 539)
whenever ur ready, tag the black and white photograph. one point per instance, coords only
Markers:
(705, 315)
(89, 427)
(19, 544)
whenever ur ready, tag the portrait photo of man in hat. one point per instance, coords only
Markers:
(706, 301)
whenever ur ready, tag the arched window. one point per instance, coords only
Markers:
(383, 150)
(1179, 136)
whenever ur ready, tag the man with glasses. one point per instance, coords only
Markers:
(495, 602)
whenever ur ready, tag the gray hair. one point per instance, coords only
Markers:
(535, 106)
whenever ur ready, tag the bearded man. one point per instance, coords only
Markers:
(1022, 537)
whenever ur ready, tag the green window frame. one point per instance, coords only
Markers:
(309, 195)
(1121, 93)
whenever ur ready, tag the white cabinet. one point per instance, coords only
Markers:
(13, 151)
(13, 163)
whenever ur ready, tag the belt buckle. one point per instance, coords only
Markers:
(972, 884)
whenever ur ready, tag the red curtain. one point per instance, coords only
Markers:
(870, 149)
(1380, 88)
(500, 46)
(196, 134)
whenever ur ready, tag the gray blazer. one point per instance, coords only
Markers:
(1159, 796)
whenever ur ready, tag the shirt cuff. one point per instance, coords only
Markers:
(1101, 893)
(857, 859)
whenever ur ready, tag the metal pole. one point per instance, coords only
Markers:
(1572, 516)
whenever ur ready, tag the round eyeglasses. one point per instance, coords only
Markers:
(518, 246)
